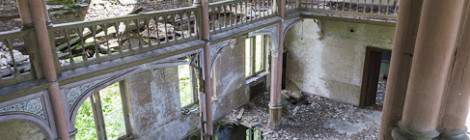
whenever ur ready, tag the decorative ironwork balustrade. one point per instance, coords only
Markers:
(84, 43)
(384, 10)
(226, 15)
(15, 58)
(89, 42)
(292, 5)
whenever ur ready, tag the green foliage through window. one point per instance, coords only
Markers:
(85, 123)
(113, 116)
(111, 105)
(255, 55)
(185, 85)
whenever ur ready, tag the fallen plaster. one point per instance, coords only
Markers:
(317, 119)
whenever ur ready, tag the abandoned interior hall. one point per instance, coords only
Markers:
(234, 69)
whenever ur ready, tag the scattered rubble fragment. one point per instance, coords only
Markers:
(318, 119)
(10, 58)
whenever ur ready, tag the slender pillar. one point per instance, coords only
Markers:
(457, 101)
(275, 107)
(435, 45)
(206, 95)
(40, 21)
(402, 55)
(208, 90)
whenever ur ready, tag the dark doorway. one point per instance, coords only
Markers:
(375, 76)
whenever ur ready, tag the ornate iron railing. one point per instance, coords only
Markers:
(356, 9)
(89, 42)
(292, 5)
(226, 15)
(15, 58)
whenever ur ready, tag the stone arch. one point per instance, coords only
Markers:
(80, 91)
(77, 93)
(288, 24)
(21, 116)
(87, 93)
(271, 31)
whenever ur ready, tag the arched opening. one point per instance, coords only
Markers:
(21, 130)
(102, 114)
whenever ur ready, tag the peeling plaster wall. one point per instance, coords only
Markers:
(327, 59)
(154, 104)
(229, 76)
(154, 100)
(20, 130)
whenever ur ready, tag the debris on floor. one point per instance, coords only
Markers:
(318, 119)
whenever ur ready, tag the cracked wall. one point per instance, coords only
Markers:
(326, 57)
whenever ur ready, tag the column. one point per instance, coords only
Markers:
(40, 20)
(275, 107)
(205, 98)
(402, 55)
(457, 100)
(44, 46)
(435, 46)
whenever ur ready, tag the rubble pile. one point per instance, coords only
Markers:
(7, 63)
(319, 119)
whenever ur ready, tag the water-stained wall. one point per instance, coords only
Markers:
(229, 76)
(326, 57)
(155, 109)
(154, 101)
